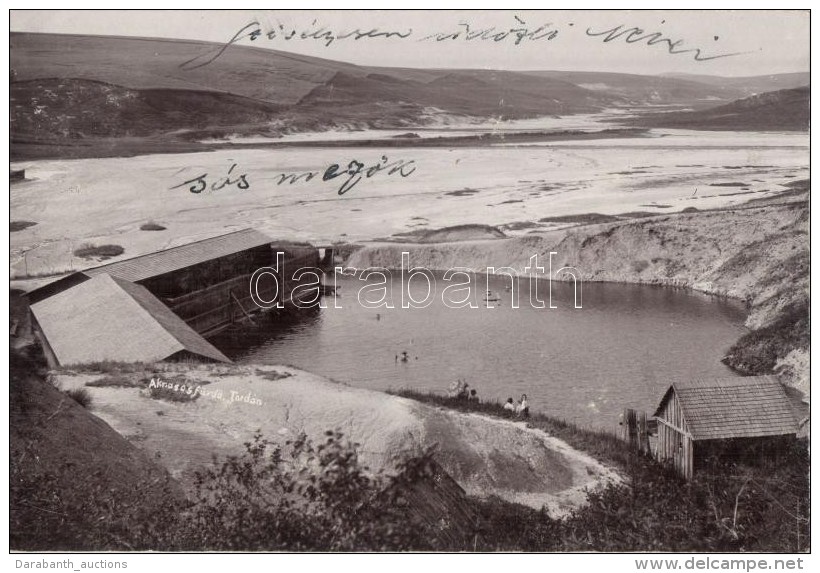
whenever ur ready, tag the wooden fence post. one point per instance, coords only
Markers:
(643, 434)
(630, 427)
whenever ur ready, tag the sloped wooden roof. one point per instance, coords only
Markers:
(191, 340)
(739, 407)
(144, 267)
(176, 258)
(109, 319)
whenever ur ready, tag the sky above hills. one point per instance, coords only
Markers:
(731, 43)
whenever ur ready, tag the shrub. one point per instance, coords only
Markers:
(81, 396)
(114, 367)
(272, 375)
(114, 382)
(152, 226)
(15, 226)
(311, 496)
(585, 219)
(102, 251)
(640, 266)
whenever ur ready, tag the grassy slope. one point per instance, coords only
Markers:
(76, 484)
(143, 63)
(75, 109)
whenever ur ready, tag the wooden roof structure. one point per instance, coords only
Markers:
(109, 319)
(159, 263)
(738, 407)
(154, 264)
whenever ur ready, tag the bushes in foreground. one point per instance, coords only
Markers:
(306, 497)
(312, 496)
(318, 496)
(81, 396)
(752, 503)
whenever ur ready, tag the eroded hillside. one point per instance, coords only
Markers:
(757, 253)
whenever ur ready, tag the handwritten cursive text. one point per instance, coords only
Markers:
(199, 184)
(520, 33)
(254, 31)
(353, 173)
(634, 35)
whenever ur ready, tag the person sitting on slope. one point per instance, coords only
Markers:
(509, 405)
(523, 408)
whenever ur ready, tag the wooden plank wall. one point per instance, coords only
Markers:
(635, 430)
(674, 441)
(209, 309)
(213, 307)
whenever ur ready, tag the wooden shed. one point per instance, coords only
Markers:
(694, 415)
(206, 283)
(107, 318)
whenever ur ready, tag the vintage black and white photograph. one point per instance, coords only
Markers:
(409, 281)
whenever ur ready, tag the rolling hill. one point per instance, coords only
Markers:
(64, 108)
(750, 85)
(637, 90)
(489, 94)
(782, 110)
(72, 91)
(67, 89)
(288, 80)
(143, 63)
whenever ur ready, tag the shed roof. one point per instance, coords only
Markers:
(105, 318)
(176, 258)
(739, 407)
(144, 267)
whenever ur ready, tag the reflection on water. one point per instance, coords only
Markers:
(621, 349)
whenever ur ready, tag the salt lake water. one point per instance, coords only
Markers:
(621, 349)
